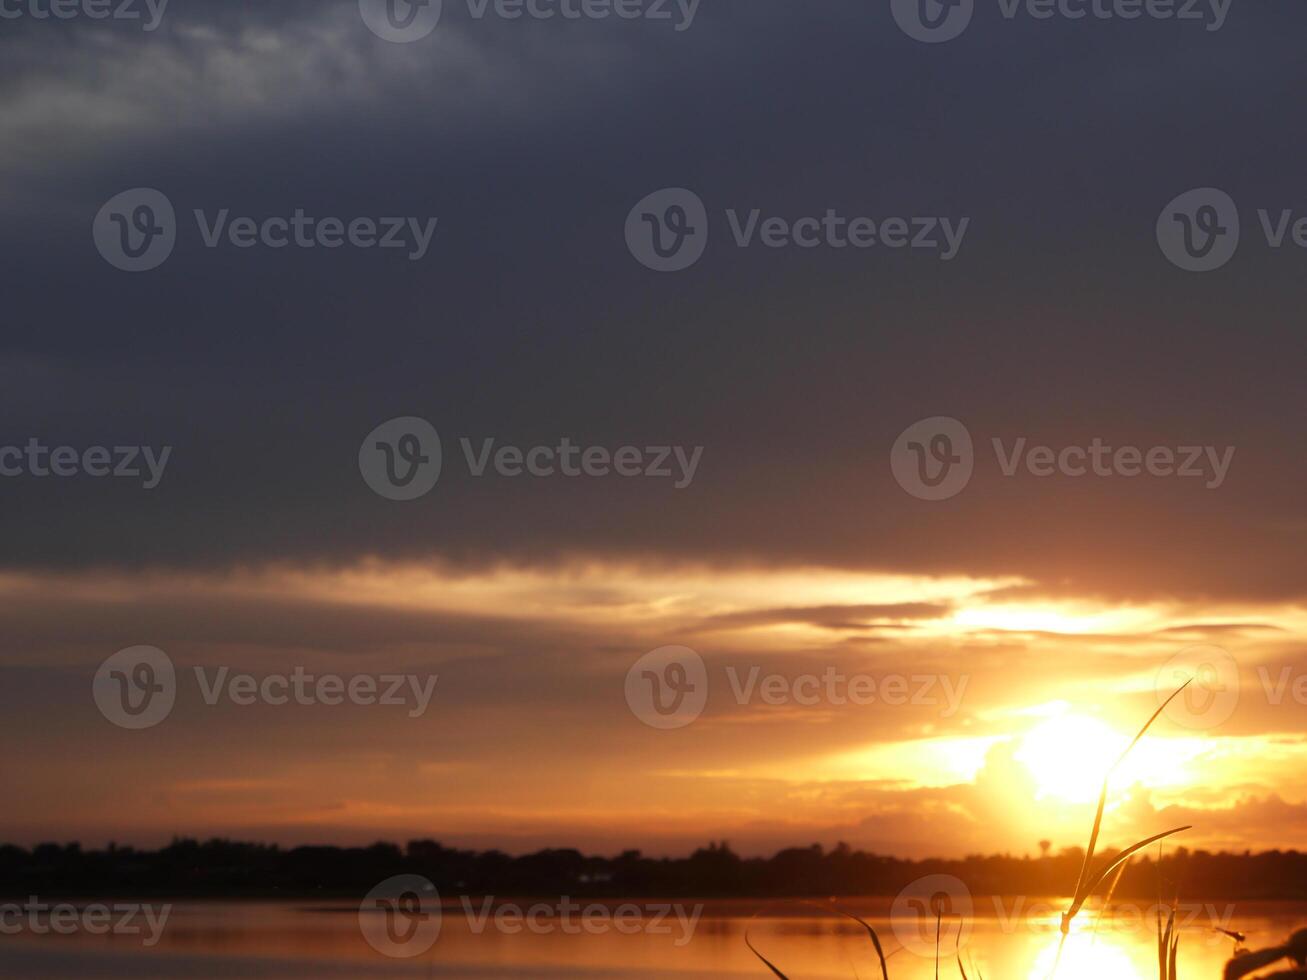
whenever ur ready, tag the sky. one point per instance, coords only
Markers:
(1035, 621)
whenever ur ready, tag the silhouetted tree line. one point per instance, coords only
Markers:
(232, 869)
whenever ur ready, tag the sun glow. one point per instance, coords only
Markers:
(1069, 755)
(1085, 959)
(1067, 618)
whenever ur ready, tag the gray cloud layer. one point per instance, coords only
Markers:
(528, 321)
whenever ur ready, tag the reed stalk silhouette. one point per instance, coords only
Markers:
(1168, 936)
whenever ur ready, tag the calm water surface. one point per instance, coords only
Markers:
(304, 939)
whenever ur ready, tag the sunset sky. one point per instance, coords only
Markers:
(1058, 602)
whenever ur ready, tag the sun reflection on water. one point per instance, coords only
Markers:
(1087, 957)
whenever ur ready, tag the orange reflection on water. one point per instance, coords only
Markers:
(308, 939)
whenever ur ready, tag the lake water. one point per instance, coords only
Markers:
(1008, 940)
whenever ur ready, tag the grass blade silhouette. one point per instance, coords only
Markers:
(1096, 880)
(1087, 882)
(939, 921)
(1164, 943)
(769, 964)
(1168, 946)
(875, 939)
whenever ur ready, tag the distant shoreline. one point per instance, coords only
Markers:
(221, 869)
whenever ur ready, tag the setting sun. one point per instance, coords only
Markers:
(1084, 959)
(1069, 755)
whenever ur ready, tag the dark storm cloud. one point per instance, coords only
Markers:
(528, 321)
